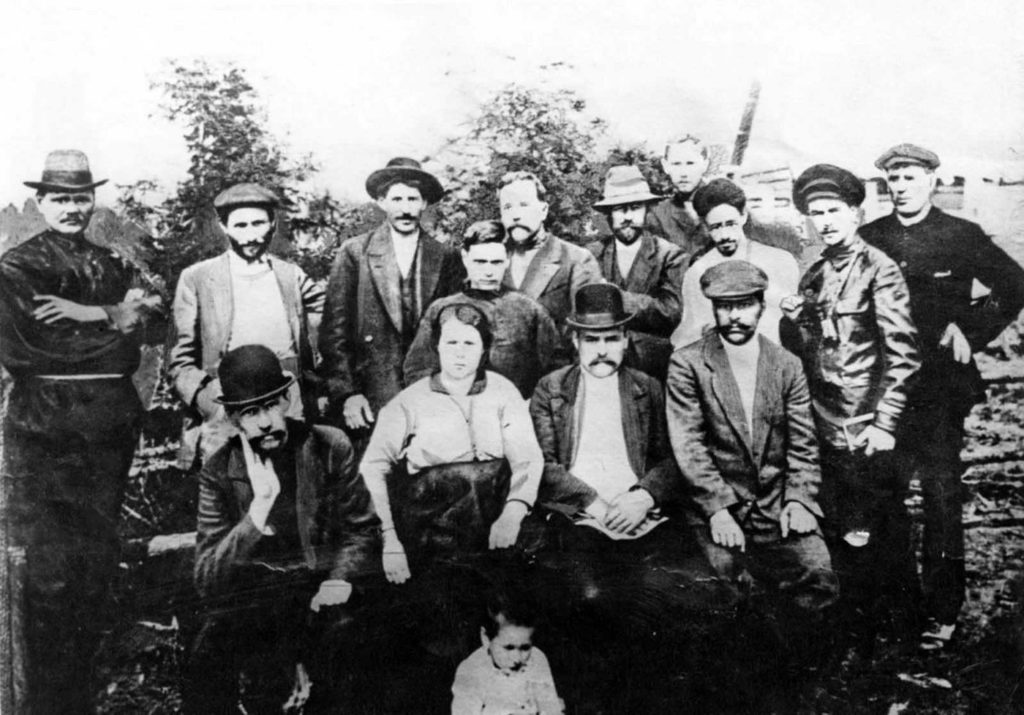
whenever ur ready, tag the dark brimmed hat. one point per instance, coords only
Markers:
(65, 170)
(827, 181)
(625, 185)
(598, 306)
(246, 195)
(404, 168)
(733, 279)
(715, 193)
(251, 374)
(908, 154)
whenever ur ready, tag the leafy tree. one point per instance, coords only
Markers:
(525, 129)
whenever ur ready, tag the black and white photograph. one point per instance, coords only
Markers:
(512, 358)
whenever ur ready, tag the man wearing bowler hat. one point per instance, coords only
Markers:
(648, 269)
(964, 291)
(284, 527)
(244, 296)
(71, 321)
(609, 476)
(380, 285)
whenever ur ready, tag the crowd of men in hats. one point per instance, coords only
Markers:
(660, 426)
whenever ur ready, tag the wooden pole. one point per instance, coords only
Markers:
(743, 137)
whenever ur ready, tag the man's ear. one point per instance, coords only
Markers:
(545, 216)
(484, 640)
(464, 254)
(745, 216)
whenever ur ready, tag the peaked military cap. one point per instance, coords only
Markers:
(827, 181)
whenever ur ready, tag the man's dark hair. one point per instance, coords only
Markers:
(383, 189)
(688, 139)
(483, 232)
(470, 315)
(715, 193)
(224, 213)
(503, 609)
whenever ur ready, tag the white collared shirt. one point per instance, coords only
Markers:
(405, 250)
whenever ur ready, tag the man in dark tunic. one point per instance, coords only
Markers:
(964, 291)
(70, 319)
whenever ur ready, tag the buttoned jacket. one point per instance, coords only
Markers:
(723, 463)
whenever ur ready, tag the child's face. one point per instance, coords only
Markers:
(510, 648)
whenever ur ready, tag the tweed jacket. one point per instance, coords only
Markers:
(361, 333)
(722, 464)
(203, 315)
(856, 338)
(651, 292)
(337, 526)
(555, 274)
(553, 409)
(942, 258)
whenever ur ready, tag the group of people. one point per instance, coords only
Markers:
(656, 426)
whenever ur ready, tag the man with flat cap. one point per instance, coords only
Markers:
(285, 527)
(380, 285)
(244, 296)
(722, 208)
(739, 418)
(851, 326)
(648, 269)
(71, 321)
(964, 291)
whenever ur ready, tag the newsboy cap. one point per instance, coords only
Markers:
(65, 170)
(908, 154)
(733, 279)
(827, 181)
(715, 193)
(246, 195)
(251, 374)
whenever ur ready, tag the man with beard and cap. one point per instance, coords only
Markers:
(71, 321)
(648, 269)
(285, 527)
(964, 291)
(380, 285)
(544, 267)
(525, 346)
(721, 206)
(245, 296)
(739, 419)
(851, 326)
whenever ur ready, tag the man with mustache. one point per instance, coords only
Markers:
(648, 269)
(964, 291)
(851, 326)
(72, 315)
(544, 267)
(285, 526)
(380, 285)
(245, 296)
(721, 205)
(609, 476)
(739, 418)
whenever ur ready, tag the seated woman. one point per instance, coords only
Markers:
(453, 465)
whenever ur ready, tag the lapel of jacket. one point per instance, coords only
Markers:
(308, 477)
(727, 392)
(636, 282)
(219, 301)
(764, 404)
(290, 296)
(238, 477)
(380, 257)
(566, 415)
(542, 268)
(607, 259)
(633, 398)
(431, 255)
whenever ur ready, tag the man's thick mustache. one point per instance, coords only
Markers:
(606, 361)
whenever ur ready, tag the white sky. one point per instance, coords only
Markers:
(356, 83)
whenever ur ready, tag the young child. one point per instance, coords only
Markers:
(506, 675)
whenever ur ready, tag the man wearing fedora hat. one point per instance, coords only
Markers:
(285, 526)
(71, 319)
(609, 475)
(380, 284)
(648, 269)
(721, 206)
(964, 291)
(243, 296)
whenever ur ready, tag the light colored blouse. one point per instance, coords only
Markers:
(427, 427)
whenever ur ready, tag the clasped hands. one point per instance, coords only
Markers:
(625, 512)
(504, 533)
(794, 517)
